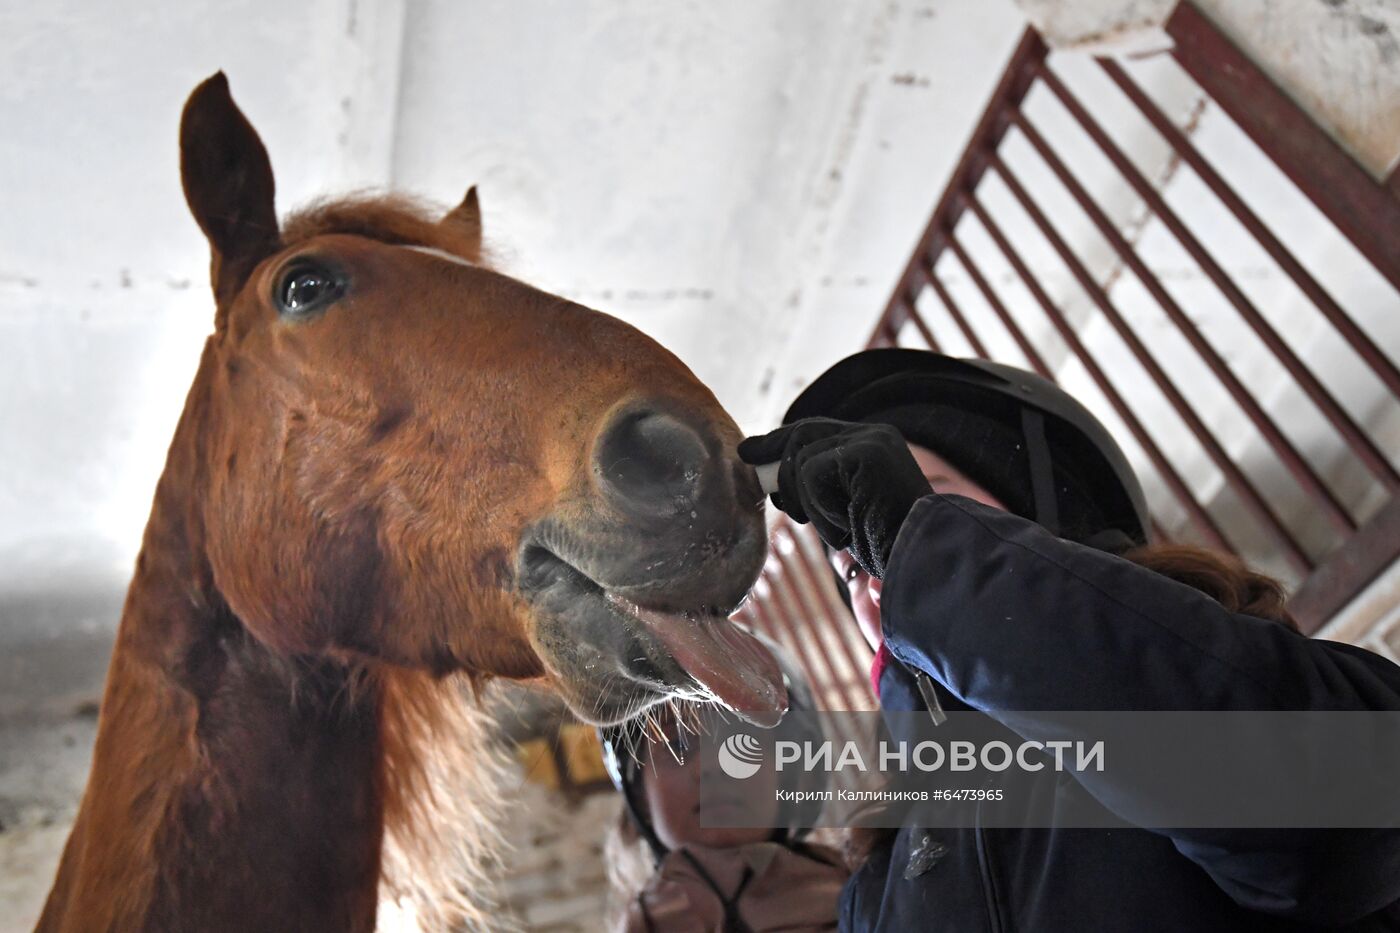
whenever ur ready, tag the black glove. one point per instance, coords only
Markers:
(855, 483)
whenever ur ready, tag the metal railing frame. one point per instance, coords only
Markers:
(1364, 210)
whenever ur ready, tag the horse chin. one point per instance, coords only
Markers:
(613, 658)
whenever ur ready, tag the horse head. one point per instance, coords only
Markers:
(408, 457)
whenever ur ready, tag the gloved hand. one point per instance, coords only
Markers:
(855, 483)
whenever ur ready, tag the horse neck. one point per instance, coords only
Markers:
(230, 788)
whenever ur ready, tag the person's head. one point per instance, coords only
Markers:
(667, 795)
(654, 765)
(1017, 436)
(991, 432)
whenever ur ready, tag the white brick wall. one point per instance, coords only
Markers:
(556, 880)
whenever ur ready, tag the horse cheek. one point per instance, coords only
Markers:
(348, 592)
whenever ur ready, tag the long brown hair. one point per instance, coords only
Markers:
(1223, 577)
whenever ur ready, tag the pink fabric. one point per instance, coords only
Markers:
(877, 667)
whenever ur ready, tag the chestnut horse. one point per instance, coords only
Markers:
(397, 471)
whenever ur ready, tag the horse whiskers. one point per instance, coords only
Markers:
(613, 681)
(605, 694)
(653, 728)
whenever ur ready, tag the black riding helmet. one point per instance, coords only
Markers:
(626, 747)
(1019, 436)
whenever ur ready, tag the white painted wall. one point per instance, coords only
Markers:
(693, 169)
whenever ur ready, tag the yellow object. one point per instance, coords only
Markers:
(538, 763)
(583, 753)
(575, 747)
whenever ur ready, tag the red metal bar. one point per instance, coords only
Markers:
(1010, 91)
(780, 626)
(955, 313)
(887, 327)
(838, 679)
(822, 689)
(838, 618)
(856, 645)
(1201, 519)
(785, 602)
(897, 314)
(1159, 535)
(1364, 210)
(1360, 342)
(1030, 352)
(1302, 471)
(756, 614)
(1360, 443)
(922, 327)
(836, 632)
(1348, 570)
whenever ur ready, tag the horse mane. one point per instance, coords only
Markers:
(442, 775)
(395, 219)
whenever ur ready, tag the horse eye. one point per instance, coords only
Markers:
(305, 289)
(852, 572)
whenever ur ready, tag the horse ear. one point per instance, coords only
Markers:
(465, 218)
(228, 185)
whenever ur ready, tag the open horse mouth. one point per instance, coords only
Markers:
(643, 654)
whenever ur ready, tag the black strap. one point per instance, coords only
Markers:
(646, 914)
(733, 923)
(1047, 505)
(1112, 540)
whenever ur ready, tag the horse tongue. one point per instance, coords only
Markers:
(727, 661)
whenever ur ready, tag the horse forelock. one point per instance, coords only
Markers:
(393, 219)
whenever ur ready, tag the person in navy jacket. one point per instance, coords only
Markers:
(992, 536)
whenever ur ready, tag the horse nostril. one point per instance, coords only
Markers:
(651, 459)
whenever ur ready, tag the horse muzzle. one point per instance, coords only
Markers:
(632, 585)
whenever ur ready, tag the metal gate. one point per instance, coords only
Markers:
(795, 601)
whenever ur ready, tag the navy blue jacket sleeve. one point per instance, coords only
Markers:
(1011, 619)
